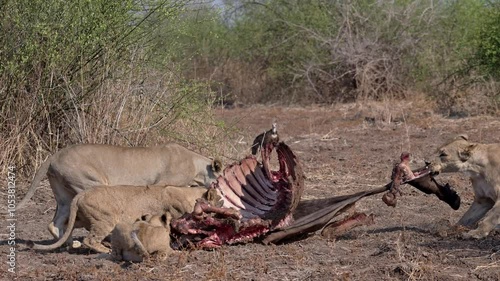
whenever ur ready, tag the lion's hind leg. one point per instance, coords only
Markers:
(98, 231)
(63, 199)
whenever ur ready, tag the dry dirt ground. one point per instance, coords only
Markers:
(343, 149)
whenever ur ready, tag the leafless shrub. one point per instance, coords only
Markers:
(144, 108)
(367, 54)
(458, 97)
(232, 81)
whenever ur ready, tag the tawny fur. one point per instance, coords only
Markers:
(79, 167)
(481, 162)
(147, 236)
(100, 209)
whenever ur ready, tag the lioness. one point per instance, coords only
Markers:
(148, 235)
(78, 167)
(482, 163)
(101, 208)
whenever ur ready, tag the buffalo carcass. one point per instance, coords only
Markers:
(255, 201)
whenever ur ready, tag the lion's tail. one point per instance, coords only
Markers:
(69, 229)
(42, 171)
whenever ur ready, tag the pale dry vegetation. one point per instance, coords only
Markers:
(102, 88)
(123, 112)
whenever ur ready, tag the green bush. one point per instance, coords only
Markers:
(328, 51)
(488, 41)
(331, 51)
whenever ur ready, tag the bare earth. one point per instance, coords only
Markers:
(343, 149)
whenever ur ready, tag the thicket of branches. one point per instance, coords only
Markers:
(88, 72)
(338, 51)
(141, 72)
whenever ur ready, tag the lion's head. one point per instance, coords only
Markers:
(453, 156)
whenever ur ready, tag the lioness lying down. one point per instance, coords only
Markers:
(482, 163)
(76, 168)
(100, 209)
(148, 235)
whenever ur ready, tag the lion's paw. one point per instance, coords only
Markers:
(474, 234)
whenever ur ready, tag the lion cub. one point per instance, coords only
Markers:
(481, 162)
(101, 208)
(148, 235)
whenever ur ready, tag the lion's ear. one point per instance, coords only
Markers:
(145, 217)
(216, 165)
(166, 217)
(466, 153)
(462, 137)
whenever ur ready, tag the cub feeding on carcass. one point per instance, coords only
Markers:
(100, 209)
(481, 162)
(149, 235)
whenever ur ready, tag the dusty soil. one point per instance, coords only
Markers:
(343, 149)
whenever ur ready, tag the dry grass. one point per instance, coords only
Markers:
(468, 97)
(144, 109)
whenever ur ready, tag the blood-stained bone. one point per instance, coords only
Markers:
(420, 179)
(255, 200)
(400, 173)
